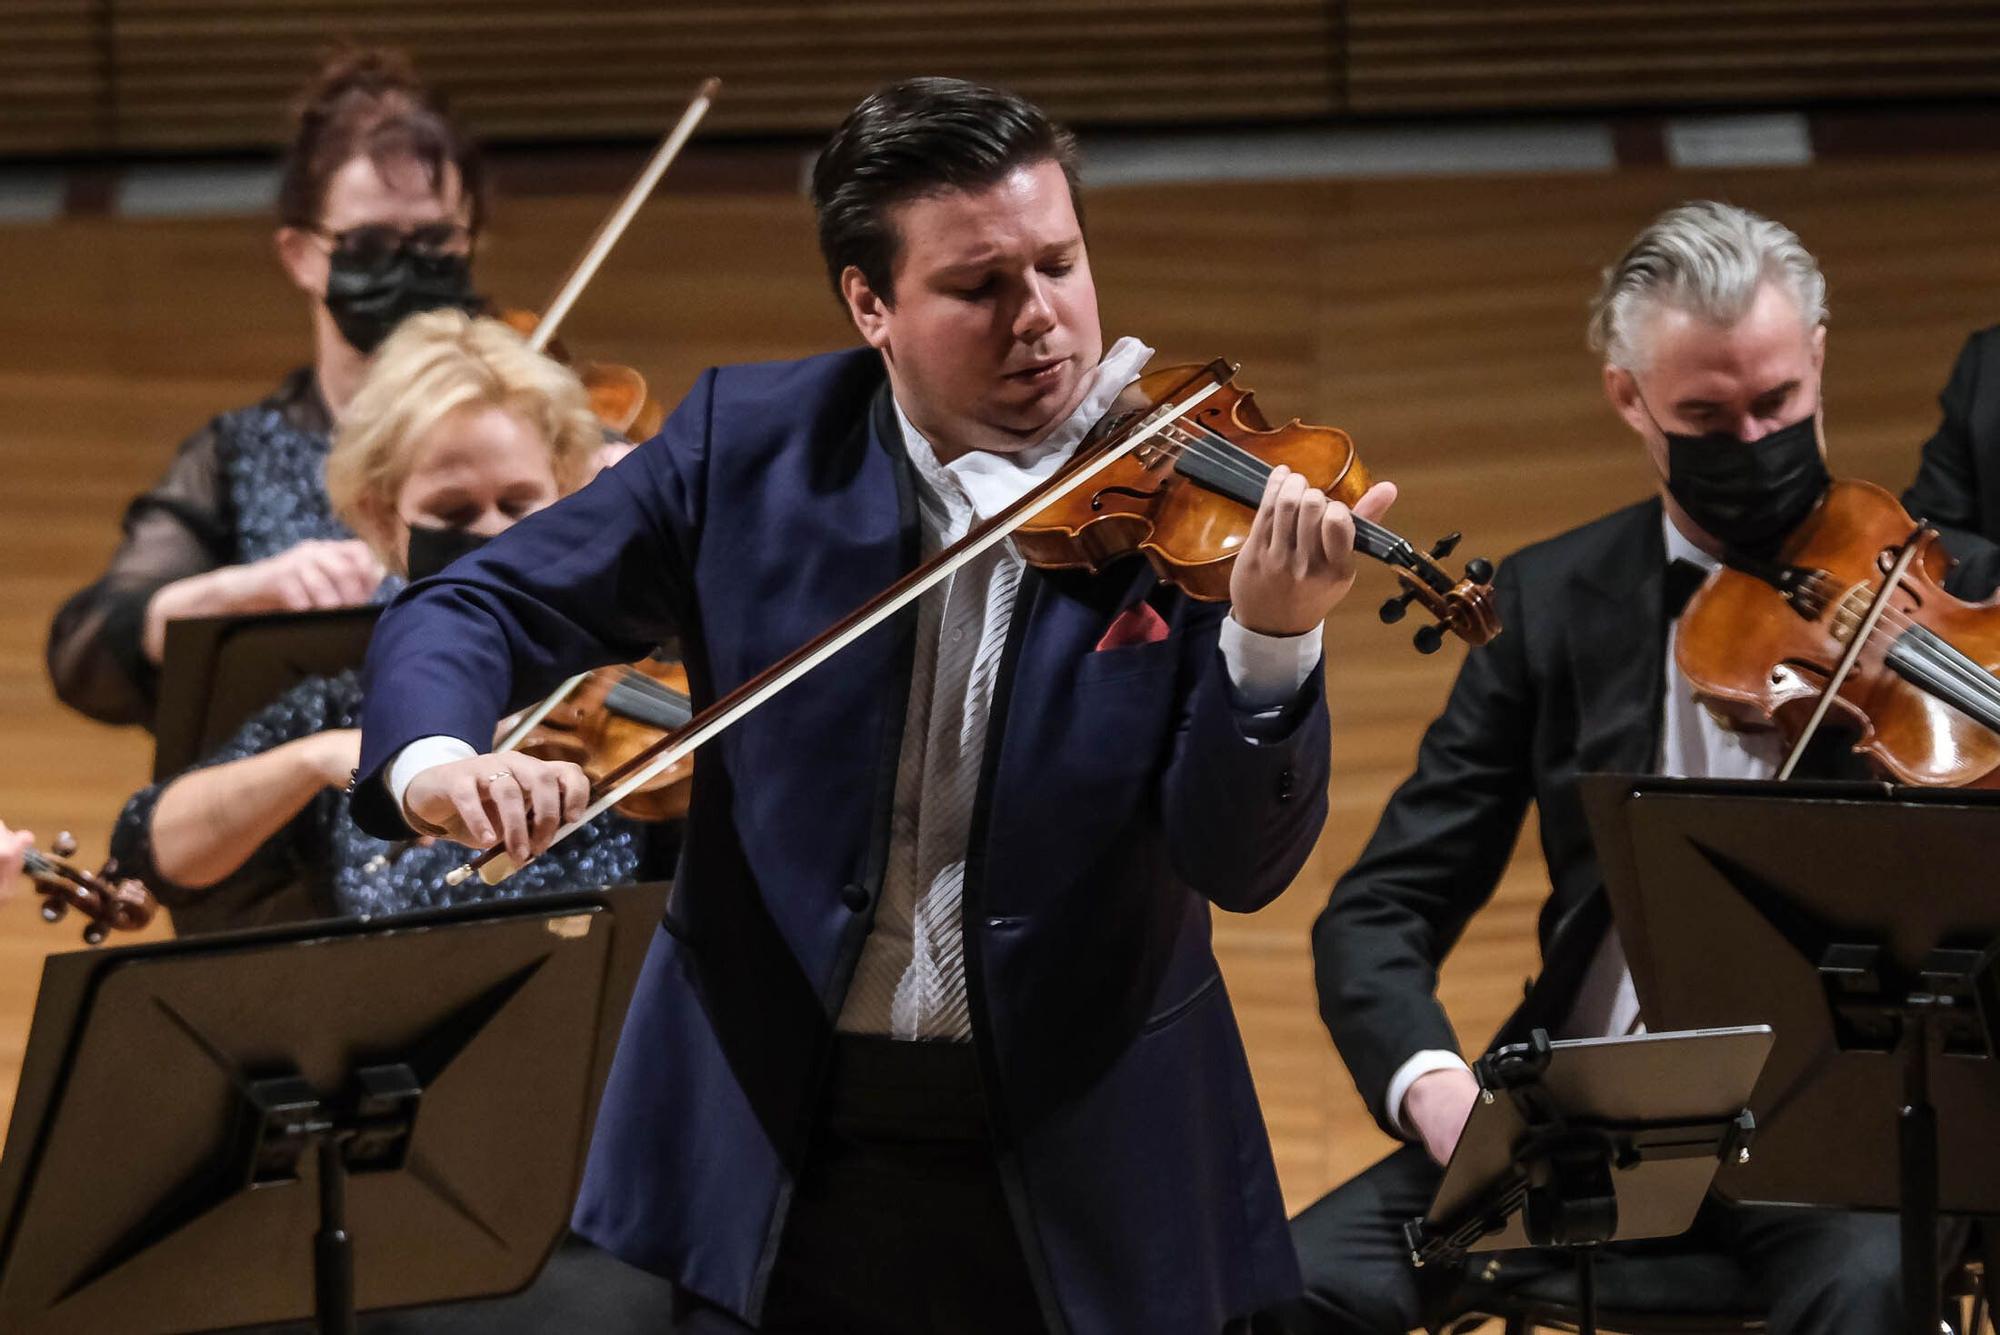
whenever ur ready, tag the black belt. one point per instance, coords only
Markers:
(885, 1089)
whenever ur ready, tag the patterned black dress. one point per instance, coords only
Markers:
(250, 484)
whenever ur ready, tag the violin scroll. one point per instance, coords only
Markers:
(107, 901)
(1465, 607)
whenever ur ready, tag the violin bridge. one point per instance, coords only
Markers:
(1849, 611)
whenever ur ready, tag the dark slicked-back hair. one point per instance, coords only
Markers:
(915, 138)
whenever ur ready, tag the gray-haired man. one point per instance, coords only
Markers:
(1712, 327)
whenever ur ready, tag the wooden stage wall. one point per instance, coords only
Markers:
(1440, 321)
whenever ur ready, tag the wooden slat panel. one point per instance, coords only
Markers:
(1450, 55)
(52, 93)
(217, 72)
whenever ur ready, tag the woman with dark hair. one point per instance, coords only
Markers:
(379, 204)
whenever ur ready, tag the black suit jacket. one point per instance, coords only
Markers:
(1958, 483)
(1573, 685)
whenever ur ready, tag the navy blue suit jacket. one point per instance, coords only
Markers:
(1120, 797)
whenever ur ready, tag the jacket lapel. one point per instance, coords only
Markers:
(1617, 646)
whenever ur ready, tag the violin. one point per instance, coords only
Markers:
(1850, 617)
(611, 715)
(1186, 498)
(618, 394)
(107, 901)
(1176, 472)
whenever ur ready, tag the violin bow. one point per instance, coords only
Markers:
(587, 264)
(495, 865)
(613, 227)
(1856, 643)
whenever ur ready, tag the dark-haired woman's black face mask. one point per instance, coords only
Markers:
(369, 294)
(432, 549)
(1749, 493)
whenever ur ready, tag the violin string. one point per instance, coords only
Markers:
(638, 681)
(1239, 465)
(1940, 653)
(1237, 462)
(1914, 637)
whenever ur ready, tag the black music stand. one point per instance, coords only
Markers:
(303, 1121)
(1860, 921)
(218, 671)
(1578, 1143)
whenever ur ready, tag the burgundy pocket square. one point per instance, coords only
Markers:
(1138, 624)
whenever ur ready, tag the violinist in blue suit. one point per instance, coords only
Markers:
(932, 1037)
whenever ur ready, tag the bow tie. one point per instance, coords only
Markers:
(1683, 578)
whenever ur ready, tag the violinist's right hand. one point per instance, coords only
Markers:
(1437, 1106)
(311, 575)
(499, 798)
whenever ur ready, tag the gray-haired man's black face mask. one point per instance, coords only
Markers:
(1749, 494)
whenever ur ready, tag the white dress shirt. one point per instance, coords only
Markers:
(910, 982)
(1693, 745)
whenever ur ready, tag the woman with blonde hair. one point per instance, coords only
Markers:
(457, 431)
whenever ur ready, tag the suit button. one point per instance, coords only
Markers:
(854, 895)
(1285, 783)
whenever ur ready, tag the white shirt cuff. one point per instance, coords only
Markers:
(1422, 1064)
(420, 755)
(1266, 671)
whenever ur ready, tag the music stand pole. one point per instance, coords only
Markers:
(1917, 1136)
(333, 1249)
(1586, 1290)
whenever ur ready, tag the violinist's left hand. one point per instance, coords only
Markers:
(1298, 560)
(14, 846)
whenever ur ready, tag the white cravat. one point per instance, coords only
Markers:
(1692, 746)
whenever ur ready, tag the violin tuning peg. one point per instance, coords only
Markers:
(1445, 546)
(1479, 570)
(1428, 639)
(64, 846)
(1394, 609)
(93, 935)
(53, 910)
